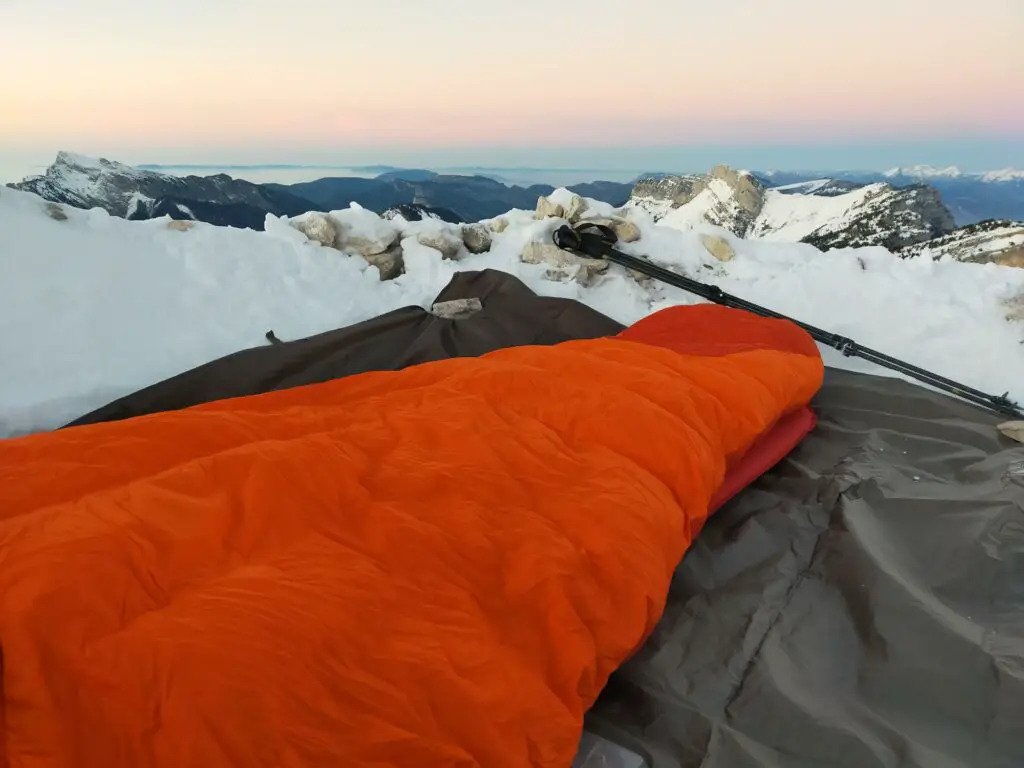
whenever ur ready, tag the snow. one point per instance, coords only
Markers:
(791, 217)
(925, 172)
(95, 307)
(806, 187)
(1006, 174)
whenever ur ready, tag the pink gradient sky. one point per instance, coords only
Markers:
(121, 77)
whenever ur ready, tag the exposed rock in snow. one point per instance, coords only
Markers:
(994, 241)
(625, 230)
(575, 209)
(477, 238)
(718, 247)
(564, 265)
(317, 227)
(55, 212)
(447, 241)
(356, 231)
(390, 263)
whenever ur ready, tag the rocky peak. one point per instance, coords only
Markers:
(724, 197)
(747, 189)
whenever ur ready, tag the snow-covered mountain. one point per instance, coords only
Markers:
(131, 193)
(953, 172)
(138, 193)
(988, 242)
(970, 196)
(818, 212)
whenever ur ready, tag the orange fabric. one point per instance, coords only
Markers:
(435, 566)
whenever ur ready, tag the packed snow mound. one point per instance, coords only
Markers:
(819, 212)
(94, 307)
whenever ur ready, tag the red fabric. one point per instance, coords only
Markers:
(710, 330)
(768, 451)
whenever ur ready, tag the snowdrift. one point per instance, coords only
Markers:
(93, 308)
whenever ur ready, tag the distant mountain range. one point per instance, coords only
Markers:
(138, 193)
(898, 209)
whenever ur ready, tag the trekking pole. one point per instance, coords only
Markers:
(597, 241)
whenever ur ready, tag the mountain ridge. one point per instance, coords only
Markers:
(824, 210)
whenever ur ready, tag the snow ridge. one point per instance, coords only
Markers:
(94, 307)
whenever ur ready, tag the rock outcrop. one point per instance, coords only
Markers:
(564, 265)
(378, 240)
(724, 197)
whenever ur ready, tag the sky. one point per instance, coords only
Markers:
(787, 84)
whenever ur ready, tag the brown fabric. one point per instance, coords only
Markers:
(860, 605)
(511, 315)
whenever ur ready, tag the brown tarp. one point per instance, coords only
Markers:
(861, 605)
(510, 315)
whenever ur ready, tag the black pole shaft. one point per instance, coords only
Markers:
(596, 246)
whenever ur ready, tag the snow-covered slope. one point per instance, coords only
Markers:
(818, 212)
(996, 242)
(93, 307)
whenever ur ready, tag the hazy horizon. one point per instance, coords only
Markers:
(548, 164)
(671, 84)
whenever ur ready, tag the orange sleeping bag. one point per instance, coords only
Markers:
(439, 566)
